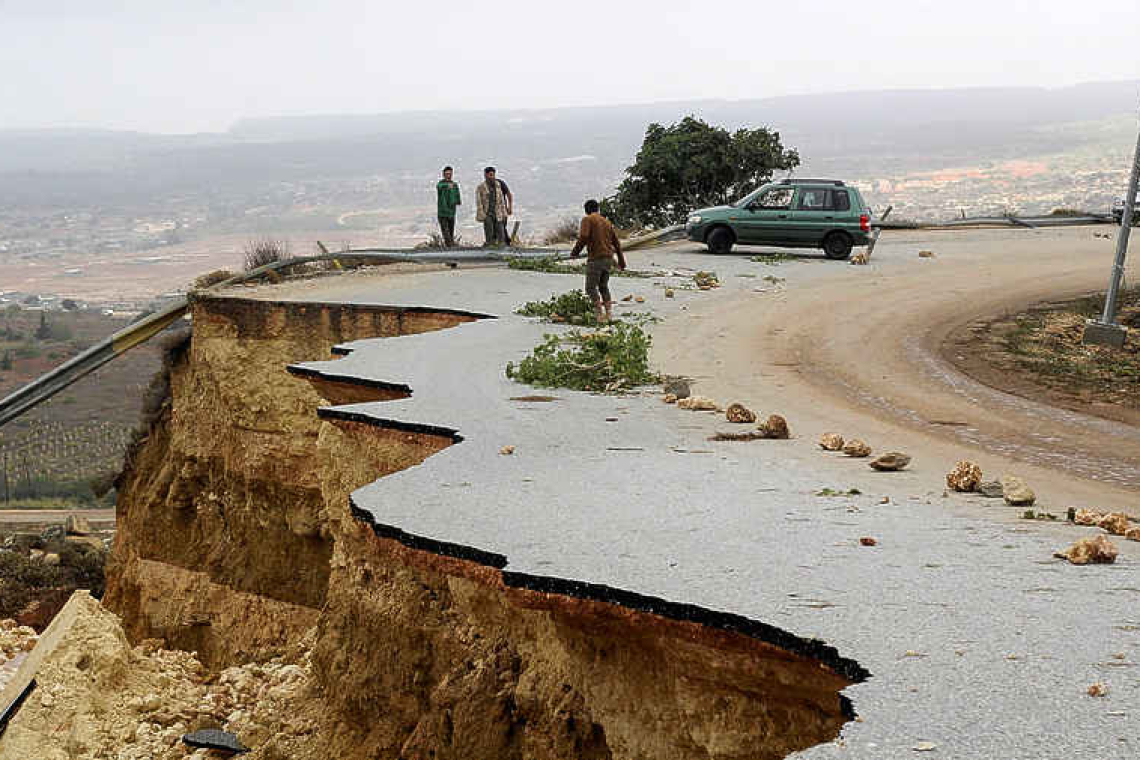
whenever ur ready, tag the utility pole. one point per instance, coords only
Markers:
(1106, 332)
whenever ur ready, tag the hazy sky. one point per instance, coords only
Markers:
(199, 65)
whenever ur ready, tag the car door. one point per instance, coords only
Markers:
(814, 214)
(767, 219)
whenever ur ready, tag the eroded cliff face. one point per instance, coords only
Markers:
(237, 537)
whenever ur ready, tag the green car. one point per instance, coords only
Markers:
(793, 213)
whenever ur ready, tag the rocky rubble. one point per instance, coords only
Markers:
(1017, 492)
(831, 442)
(1087, 551)
(964, 478)
(739, 413)
(135, 703)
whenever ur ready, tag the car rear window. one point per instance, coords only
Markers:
(823, 199)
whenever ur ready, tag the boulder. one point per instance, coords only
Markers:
(1087, 517)
(856, 448)
(831, 442)
(1017, 492)
(891, 461)
(77, 525)
(775, 427)
(1087, 551)
(964, 478)
(859, 258)
(867, 541)
(678, 387)
(669, 398)
(1132, 534)
(1115, 523)
(926, 254)
(991, 489)
(697, 403)
(739, 413)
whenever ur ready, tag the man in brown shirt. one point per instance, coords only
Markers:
(597, 236)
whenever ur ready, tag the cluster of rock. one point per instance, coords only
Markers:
(136, 703)
(966, 477)
(1116, 523)
(775, 426)
(859, 449)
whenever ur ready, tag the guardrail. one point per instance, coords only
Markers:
(44, 387)
(1031, 222)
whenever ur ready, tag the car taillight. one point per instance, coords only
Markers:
(865, 223)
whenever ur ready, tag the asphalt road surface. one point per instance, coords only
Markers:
(980, 642)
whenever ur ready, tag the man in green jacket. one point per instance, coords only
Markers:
(447, 198)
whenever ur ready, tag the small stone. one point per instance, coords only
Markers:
(1132, 534)
(856, 448)
(640, 299)
(831, 442)
(1098, 690)
(925, 747)
(668, 292)
(1087, 517)
(867, 541)
(669, 398)
(926, 254)
(991, 489)
(1088, 551)
(891, 461)
(1115, 523)
(775, 427)
(628, 298)
(77, 525)
(678, 387)
(965, 477)
(859, 258)
(739, 413)
(697, 403)
(1017, 492)
(507, 450)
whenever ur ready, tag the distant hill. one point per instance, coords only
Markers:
(555, 154)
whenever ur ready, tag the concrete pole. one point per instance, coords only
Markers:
(1106, 332)
(1122, 241)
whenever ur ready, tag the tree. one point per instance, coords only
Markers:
(43, 332)
(692, 164)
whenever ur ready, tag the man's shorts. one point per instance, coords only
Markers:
(598, 279)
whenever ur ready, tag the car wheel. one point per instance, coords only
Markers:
(837, 245)
(720, 240)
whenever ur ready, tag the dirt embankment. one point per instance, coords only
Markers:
(237, 541)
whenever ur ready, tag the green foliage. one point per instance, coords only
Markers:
(833, 492)
(693, 164)
(554, 265)
(610, 360)
(573, 307)
(770, 259)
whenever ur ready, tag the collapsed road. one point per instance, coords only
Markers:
(618, 585)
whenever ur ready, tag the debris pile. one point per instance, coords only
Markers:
(739, 413)
(136, 703)
(1017, 492)
(964, 478)
(1088, 551)
(831, 442)
(891, 461)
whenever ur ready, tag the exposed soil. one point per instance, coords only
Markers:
(1038, 354)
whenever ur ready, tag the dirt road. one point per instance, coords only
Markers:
(857, 350)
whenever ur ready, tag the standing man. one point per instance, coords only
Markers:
(597, 235)
(447, 198)
(494, 203)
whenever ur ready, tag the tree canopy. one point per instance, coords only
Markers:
(692, 164)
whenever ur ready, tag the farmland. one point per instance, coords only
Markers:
(50, 456)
